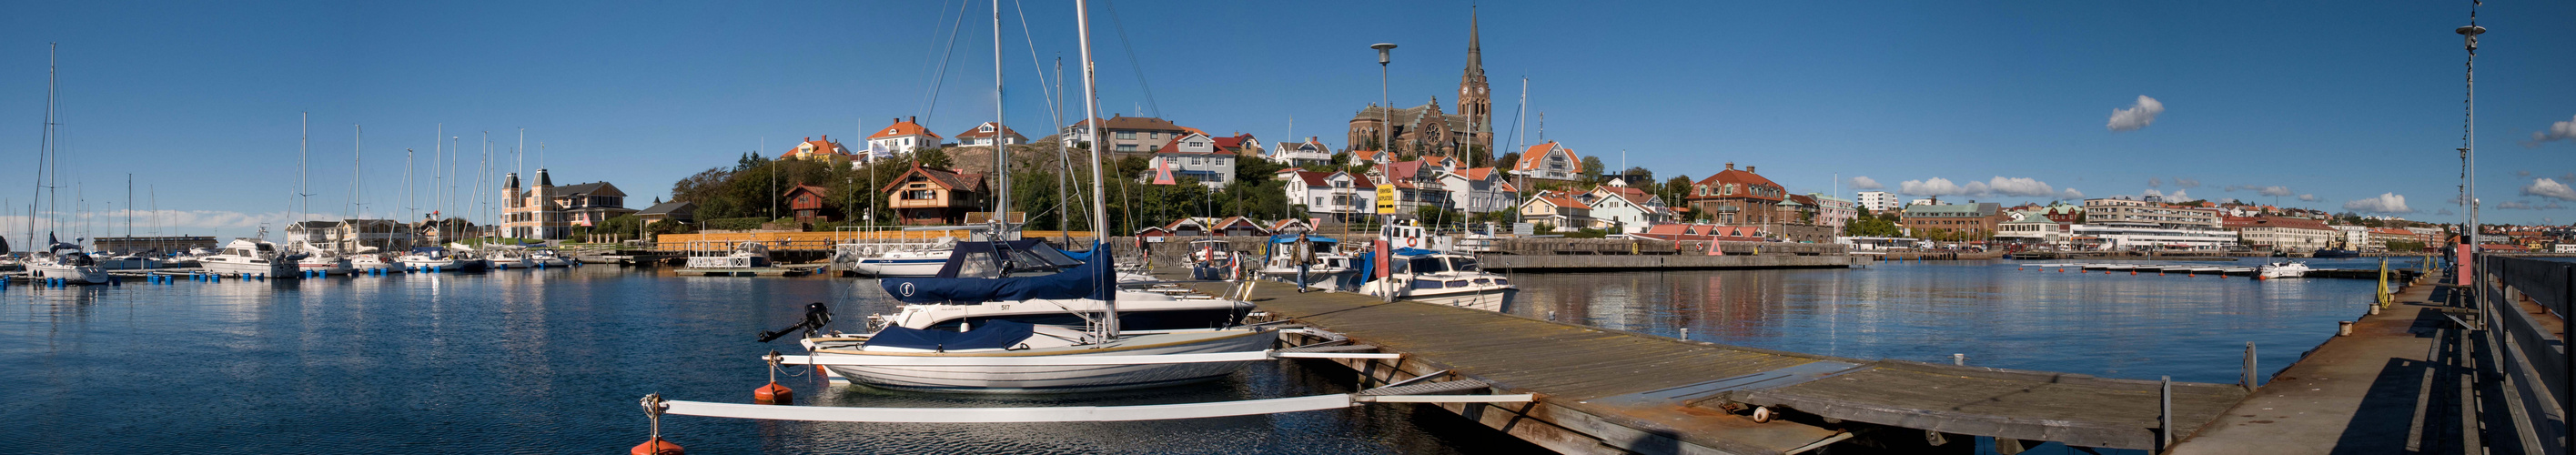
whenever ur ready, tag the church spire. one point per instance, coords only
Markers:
(1473, 100)
(1475, 56)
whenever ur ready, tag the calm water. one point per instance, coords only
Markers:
(2117, 325)
(552, 361)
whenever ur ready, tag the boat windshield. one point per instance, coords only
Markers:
(1463, 264)
(1422, 265)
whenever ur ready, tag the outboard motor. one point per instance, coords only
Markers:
(816, 316)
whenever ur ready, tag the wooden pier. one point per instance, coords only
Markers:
(1610, 391)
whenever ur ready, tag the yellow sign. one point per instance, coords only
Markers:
(1385, 199)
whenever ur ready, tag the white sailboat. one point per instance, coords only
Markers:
(66, 262)
(996, 356)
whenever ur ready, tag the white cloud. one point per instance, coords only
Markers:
(2515, 205)
(2019, 186)
(1935, 186)
(1866, 183)
(2562, 130)
(2308, 197)
(2137, 115)
(2186, 183)
(2275, 191)
(2547, 188)
(2153, 182)
(2177, 196)
(2385, 203)
(2153, 192)
(2070, 194)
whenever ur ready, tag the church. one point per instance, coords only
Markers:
(1427, 130)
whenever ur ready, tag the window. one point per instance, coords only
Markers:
(1126, 135)
(1126, 147)
(1196, 144)
(1154, 135)
(986, 128)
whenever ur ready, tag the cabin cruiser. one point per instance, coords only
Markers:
(2282, 269)
(894, 259)
(369, 261)
(1138, 310)
(1323, 266)
(437, 259)
(318, 260)
(745, 255)
(250, 257)
(1437, 278)
(548, 258)
(66, 262)
(509, 257)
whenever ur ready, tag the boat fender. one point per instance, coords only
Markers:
(773, 393)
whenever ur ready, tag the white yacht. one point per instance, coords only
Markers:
(370, 261)
(65, 261)
(1138, 310)
(320, 260)
(1324, 266)
(549, 258)
(128, 261)
(2282, 269)
(1432, 276)
(509, 257)
(250, 257)
(436, 259)
(900, 258)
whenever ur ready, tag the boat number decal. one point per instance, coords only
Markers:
(907, 289)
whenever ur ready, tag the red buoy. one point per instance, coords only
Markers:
(773, 394)
(657, 446)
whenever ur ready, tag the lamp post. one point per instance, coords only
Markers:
(1386, 114)
(2469, 155)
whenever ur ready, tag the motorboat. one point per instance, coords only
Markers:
(318, 260)
(992, 356)
(127, 261)
(1138, 310)
(437, 259)
(2282, 269)
(894, 259)
(251, 258)
(370, 262)
(744, 255)
(509, 257)
(1323, 266)
(1437, 278)
(549, 258)
(66, 262)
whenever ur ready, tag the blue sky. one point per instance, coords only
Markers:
(2344, 101)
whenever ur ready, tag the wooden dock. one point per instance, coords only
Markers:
(1610, 391)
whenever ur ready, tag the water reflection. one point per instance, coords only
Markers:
(2113, 325)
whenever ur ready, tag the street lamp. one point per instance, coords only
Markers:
(1386, 114)
(2469, 155)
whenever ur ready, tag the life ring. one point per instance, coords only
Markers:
(1412, 242)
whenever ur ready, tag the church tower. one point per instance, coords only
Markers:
(1474, 101)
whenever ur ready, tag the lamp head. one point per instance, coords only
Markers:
(2470, 35)
(1382, 51)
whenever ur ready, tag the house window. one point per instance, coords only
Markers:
(1126, 147)
(1154, 135)
(1126, 135)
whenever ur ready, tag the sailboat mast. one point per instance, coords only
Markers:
(357, 156)
(1099, 209)
(303, 199)
(1001, 155)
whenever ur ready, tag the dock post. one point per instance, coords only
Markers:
(2164, 418)
(1959, 359)
(2249, 367)
(1685, 334)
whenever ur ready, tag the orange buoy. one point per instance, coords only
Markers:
(2258, 278)
(2133, 272)
(773, 394)
(657, 446)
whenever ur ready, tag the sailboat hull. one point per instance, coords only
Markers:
(69, 274)
(1072, 378)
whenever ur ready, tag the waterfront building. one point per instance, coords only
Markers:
(383, 235)
(1127, 136)
(1738, 197)
(807, 203)
(164, 244)
(2351, 236)
(2125, 210)
(683, 212)
(2382, 237)
(1701, 232)
(903, 137)
(1556, 208)
(1550, 162)
(2033, 227)
(1337, 195)
(1878, 201)
(2149, 237)
(1193, 156)
(325, 234)
(934, 196)
(2282, 233)
(548, 212)
(983, 134)
(1924, 201)
(1301, 154)
(1426, 129)
(1833, 212)
(1480, 190)
(1975, 219)
(1623, 209)
(811, 149)
(2433, 235)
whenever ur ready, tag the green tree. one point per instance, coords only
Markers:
(937, 158)
(1592, 168)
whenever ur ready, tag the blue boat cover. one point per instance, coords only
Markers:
(995, 334)
(978, 272)
(1288, 238)
(1368, 260)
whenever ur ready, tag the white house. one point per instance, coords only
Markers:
(1878, 201)
(1480, 190)
(903, 137)
(1192, 155)
(1557, 209)
(1549, 161)
(983, 135)
(1629, 209)
(1301, 154)
(1339, 195)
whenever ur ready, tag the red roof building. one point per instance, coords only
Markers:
(812, 149)
(1738, 197)
(934, 196)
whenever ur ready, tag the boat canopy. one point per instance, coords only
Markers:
(1368, 261)
(1011, 270)
(995, 334)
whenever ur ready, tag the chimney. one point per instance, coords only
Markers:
(1730, 165)
(1749, 168)
(897, 120)
(912, 119)
(827, 138)
(809, 139)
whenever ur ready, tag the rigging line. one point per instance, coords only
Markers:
(929, 55)
(1132, 64)
(941, 76)
(1040, 67)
